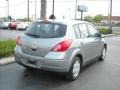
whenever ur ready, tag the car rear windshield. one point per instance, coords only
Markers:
(46, 30)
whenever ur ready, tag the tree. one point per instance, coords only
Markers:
(98, 18)
(43, 9)
(88, 18)
(25, 19)
(9, 18)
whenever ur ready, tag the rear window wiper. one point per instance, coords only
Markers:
(34, 35)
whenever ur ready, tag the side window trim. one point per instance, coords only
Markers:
(89, 29)
(82, 32)
(76, 32)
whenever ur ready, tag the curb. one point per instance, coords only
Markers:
(6, 61)
(108, 35)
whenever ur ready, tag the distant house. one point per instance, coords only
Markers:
(115, 20)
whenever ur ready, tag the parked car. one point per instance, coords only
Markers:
(23, 25)
(12, 25)
(4, 25)
(0, 25)
(60, 46)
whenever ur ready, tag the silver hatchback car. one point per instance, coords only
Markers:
(60, 46)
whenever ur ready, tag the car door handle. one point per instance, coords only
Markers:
(34, 48)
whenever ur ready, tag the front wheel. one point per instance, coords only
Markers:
(103, 54)
(74, 71)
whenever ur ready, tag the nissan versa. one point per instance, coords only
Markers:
(60, 46)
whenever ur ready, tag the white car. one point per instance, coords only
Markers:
(4, 25)
(22, 25)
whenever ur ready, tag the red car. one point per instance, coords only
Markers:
(12, 25)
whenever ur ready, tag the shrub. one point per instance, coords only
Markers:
(6, 48)
(89, 19)
(104, 30)
(98, 18)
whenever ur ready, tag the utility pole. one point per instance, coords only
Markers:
(81, 15)
(110, 17)
(35, 9)
(52, 16)
(43, 9)
(7, 8)
(53, 8)
(76, 8)
(28, 10)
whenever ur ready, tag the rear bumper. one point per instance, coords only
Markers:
(56, 65)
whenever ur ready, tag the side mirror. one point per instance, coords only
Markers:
(98, 35)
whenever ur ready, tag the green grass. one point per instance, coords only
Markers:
(7, 48)
(104, 30)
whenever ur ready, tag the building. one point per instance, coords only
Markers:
(115, 20)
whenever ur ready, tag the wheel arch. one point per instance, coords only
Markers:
(81, 58)
(105, 45)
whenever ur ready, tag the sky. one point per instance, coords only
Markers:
(66, 8)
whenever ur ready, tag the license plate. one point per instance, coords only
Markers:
(32, 63)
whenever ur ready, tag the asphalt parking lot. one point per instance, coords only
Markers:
(10, 34)
(96, 76)
(13, 34)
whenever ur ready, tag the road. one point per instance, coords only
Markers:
(9, 34)
(96, 76)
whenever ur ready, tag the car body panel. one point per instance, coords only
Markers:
(39, 50)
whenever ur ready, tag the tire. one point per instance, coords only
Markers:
(28, 68)
(73, 74)
(103, 54)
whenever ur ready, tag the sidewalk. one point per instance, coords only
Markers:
(9, 60)
(108, 35)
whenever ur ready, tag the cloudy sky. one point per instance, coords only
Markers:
(18, 8)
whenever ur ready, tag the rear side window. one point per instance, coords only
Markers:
(46, 30)
(83, 30)
(77, 31)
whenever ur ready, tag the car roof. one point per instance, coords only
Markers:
(66, 22)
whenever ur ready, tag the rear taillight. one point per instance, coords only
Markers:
(18, 42)
(62, 46)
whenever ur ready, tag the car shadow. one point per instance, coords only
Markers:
(41, 78)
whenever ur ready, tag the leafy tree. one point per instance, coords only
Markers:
(88, 18)
(9, 18)
(3, 18)
(98, 18)
(23, 19)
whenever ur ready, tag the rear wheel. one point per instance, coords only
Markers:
(28, 68)
(74, 71)
(103, 54)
